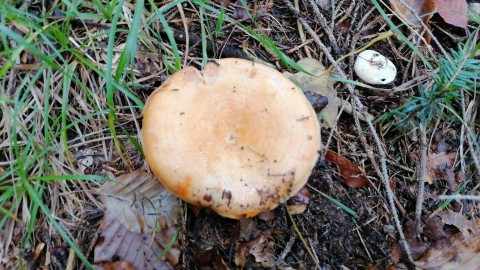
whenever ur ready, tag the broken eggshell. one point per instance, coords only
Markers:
(374, 68)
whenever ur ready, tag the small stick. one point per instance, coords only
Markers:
(459, 197)
(422, 172)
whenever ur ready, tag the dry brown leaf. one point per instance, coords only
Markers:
(138, 224)
(395, 253)
(263, 252)
(440, 166)
(417, 9)
(318, 84)
(261, 248)
(248, 230)
(458, 220)
(116, 266)
(457, 253)
(434, 228)
(351, 173)
(454, 12)
(423, 9)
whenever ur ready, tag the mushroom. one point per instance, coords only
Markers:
(238, 137)
(374, 68)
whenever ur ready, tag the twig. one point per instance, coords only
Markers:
(301, 33)
(465, 122)
(459, 197)
(324, 24)
(361, 108)
(286, 250)
(422, 172)
(363, 243)
(187, 37)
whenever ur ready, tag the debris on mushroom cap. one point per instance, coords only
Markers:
(374, 68)
(238, 137)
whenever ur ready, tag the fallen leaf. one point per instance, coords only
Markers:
(395, 253)
(454, 12)
(417, 9)
(351, 173)
(147, 63)
(139, 223)
(423, 9)
(318, 84)
(456, 253)
(440, 166)
(116, 266)
(464, 225)
(261, 248)
(434, 228)
(248, 229)
(417, 248)
(301, 197)
(263, 252)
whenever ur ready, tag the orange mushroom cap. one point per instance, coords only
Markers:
(238, 137)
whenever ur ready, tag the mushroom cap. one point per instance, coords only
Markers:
(238, 137)
(374, 68)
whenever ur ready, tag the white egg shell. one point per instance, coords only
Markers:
(374, 68)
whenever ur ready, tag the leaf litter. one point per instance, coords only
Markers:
(319, 84)
(139, 224)
(418, 13)
(350, 173)
(446, 240)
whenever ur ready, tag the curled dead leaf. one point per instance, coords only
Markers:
(351, 173)
(440, 166)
